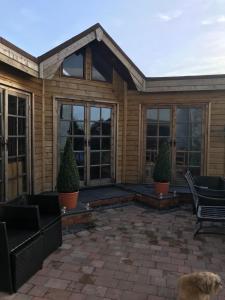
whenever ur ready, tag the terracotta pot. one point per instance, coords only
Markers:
(69, 200)
(161, 187)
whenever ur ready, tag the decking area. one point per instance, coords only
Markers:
(131, 252)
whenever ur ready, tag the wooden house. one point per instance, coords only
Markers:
(88, 88)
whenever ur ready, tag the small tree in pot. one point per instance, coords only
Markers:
(68, 178)
(162, 170)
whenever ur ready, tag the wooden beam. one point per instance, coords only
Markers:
(124, 131)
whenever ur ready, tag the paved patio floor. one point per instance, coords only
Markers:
(132, 253)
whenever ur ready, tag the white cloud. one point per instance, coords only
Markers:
(215, 20)
(166, 17)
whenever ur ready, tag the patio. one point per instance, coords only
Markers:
(133, 252)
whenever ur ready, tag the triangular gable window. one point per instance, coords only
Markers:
(73, 65)
(101, 69)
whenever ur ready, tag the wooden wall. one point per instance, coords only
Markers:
(216, 122)
(73, 89)
(20, 81)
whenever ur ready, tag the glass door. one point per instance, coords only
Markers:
(14, 156)
(182, 127)
(90, 128)
(158, 129)
(16, 144)
(100, 145)
(189, 142)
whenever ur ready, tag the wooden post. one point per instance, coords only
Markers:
(124, 131)
(43, 135)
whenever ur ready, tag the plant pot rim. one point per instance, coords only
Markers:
(68, 192)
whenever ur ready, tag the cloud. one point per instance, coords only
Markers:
(166, 17)
(215, 20)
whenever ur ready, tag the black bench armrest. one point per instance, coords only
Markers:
(26, 217)
(48, 204)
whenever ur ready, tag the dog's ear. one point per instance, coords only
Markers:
(217, 284)
(204, 283)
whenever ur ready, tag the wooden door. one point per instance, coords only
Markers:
(91, 129)
(14, 141)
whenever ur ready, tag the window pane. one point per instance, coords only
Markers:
(22, 107)
(106, 128)
(164, 114)
(195, 115)
(164, 129)
(12, 146)
(106, 143)
(21, 146)
(152, 129)
(95, 114)
(12, 105)
(78, 128)
(95, 128)
(95, 172)
(95, 143)
(152, 115)
(81, 173)
(195, 159)
(65, 128)
(105, 172)
(106, 157)
(74, 65)
(182, 144)
(182, 114)
(12, 168)
(12, 125)
(65, 112)
(79, 156)
(101, 69)
(106, 114)
(182, 129)
(95, 158)
(21, 126)
(62, 142)
(78, 113)
(78, 143)
(151, 144)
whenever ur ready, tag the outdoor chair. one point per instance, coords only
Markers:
(206, 208)
(21, 246)
(50, 219)
(210, 186)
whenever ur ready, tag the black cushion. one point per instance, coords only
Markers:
(47, 219)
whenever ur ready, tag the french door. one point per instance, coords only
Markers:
(14, 156)
(183, 128)
(91, 129)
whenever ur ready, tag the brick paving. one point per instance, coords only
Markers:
(132, 253)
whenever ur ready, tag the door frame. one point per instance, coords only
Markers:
(5, 91)
(205, 133)
(57, 102)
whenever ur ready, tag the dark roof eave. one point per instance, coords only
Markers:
(161, 78)
(17, 49)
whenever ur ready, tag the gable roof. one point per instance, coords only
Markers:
(51, 60)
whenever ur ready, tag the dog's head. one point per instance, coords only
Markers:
(209, 283)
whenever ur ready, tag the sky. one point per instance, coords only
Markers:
(162, 37)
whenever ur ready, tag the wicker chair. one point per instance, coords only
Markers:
(207, 209)
(50, 219)
(21, 251)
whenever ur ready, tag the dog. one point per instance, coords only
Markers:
(198, 286)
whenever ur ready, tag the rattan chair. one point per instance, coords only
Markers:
(21, 246)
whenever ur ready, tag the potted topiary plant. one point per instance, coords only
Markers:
(162, 170)
(68, 178)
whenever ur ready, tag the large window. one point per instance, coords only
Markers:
(101, 69)
(73, 65)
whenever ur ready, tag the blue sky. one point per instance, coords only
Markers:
(162, 37)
